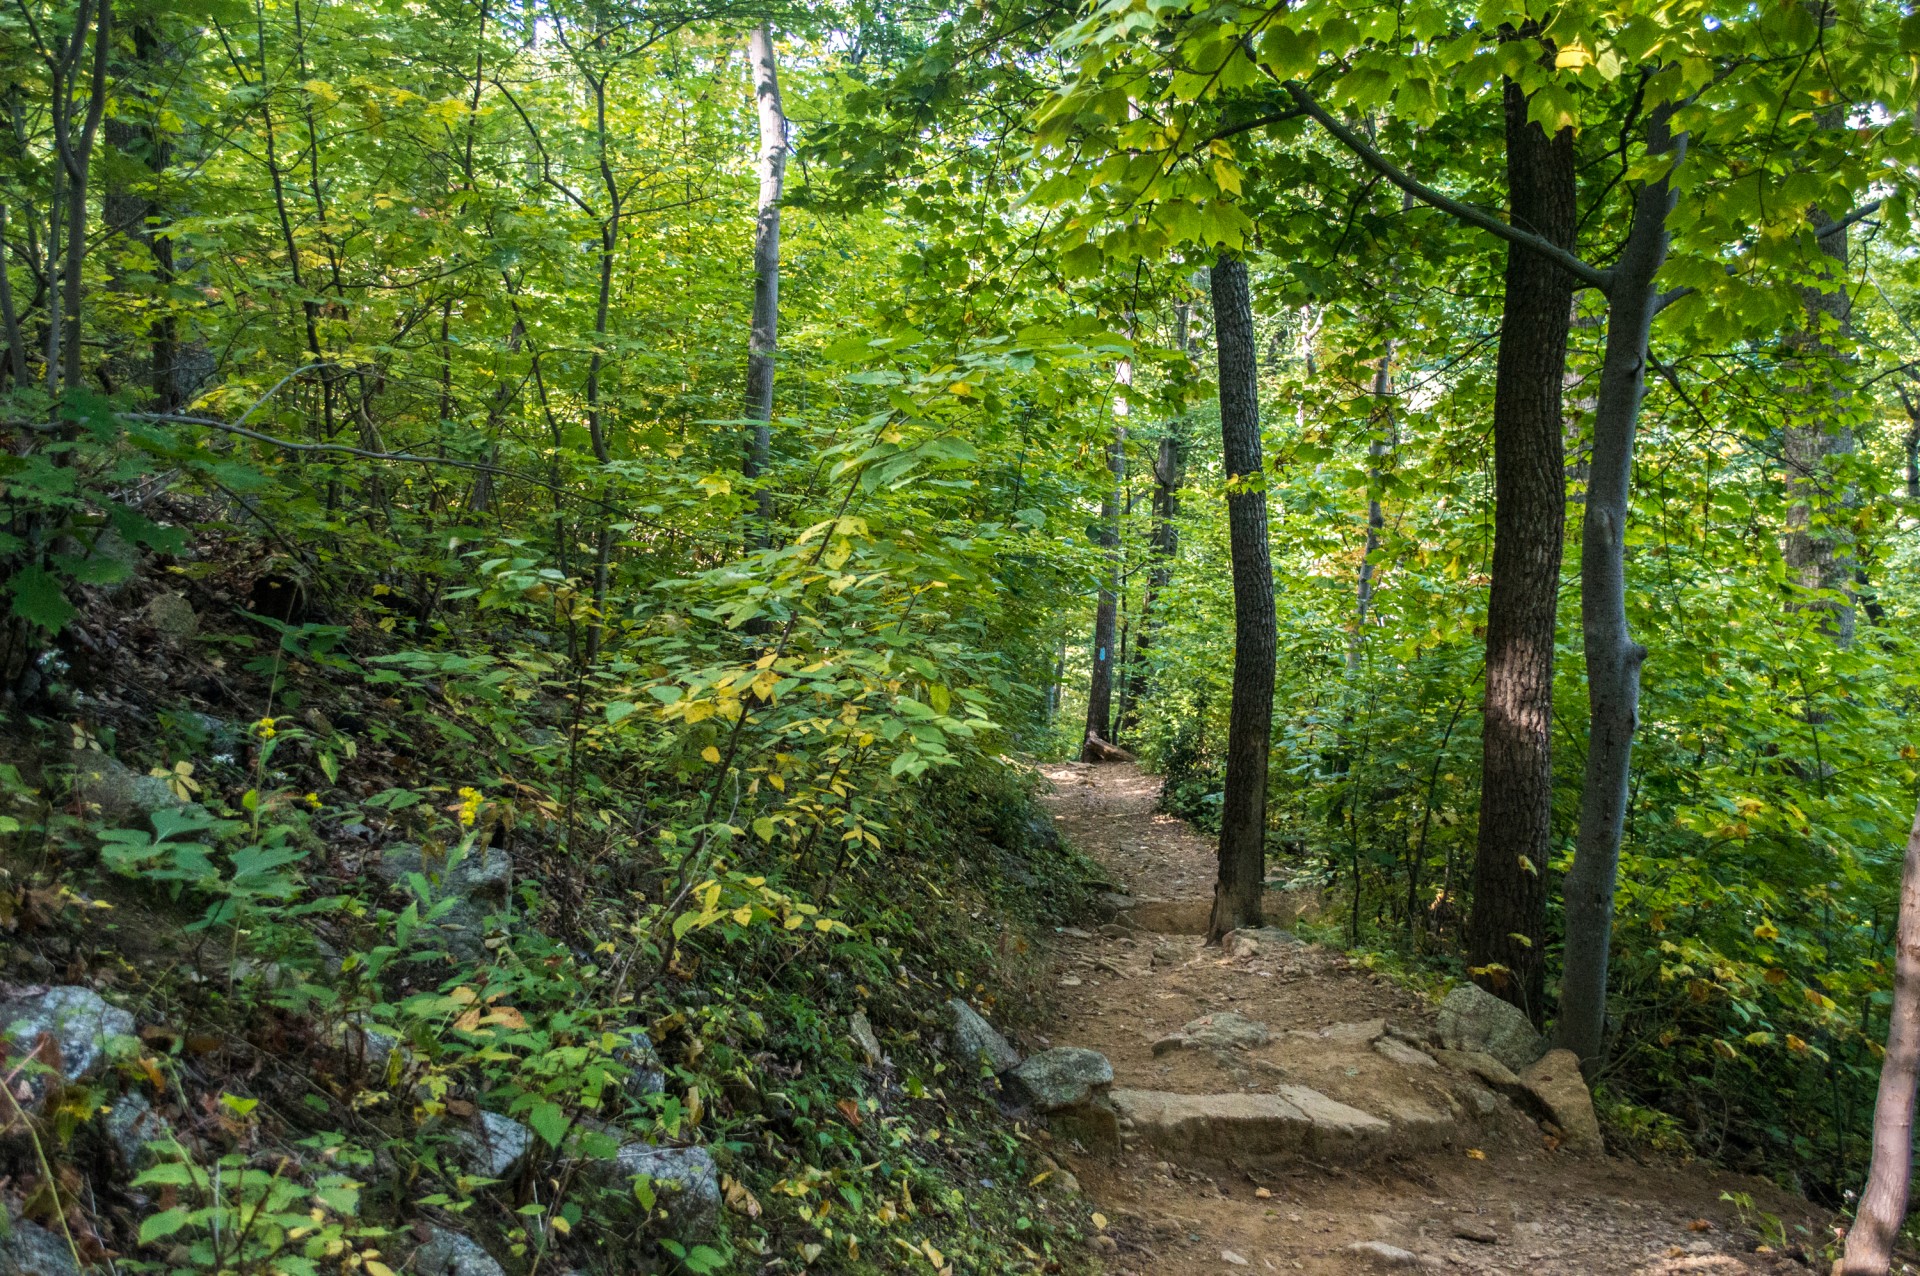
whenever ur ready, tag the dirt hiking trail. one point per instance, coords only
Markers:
(1281, 1109)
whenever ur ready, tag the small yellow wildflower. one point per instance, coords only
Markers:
(313, 800)
(469, 806)
(264, 728)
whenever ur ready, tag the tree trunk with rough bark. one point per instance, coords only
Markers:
(1506, 932)
(1613, 657)
(1883, 1202)
(1243, 817)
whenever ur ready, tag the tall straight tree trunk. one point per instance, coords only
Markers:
(1243, 814)
(1613, 657)
(1377, 448)
(764, 339)
(1106, 609)
(1883, 1202)
(1506, 932)
(1164, 544)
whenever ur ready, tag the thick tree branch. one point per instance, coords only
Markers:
(1373, 159)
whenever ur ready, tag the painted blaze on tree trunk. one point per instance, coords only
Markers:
(1243, 816)
(1505, 935)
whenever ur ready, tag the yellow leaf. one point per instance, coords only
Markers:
(1100, 1221)
(711, 754)
(375, 1267)
(1475, 1154)
(560, 1224)
(742, 915)
(1572, 58)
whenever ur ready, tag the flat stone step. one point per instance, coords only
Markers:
(1291, 1122)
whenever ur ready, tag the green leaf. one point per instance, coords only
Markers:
(549, 1122)
(37, 598)
(163, 1224)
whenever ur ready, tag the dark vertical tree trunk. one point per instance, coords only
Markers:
(1163, 545)
(764, 340)
(1106, 609)
(1817, 550)
(1506, 932)
(129, 207)
(1243, 815)
(1613, 657)
(1883, 1202)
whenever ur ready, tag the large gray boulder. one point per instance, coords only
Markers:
(448, 1253)
(31, 1250)
(1061, 1078)
(69, 1031)
(1473, 1019)
(685, 1182)
(973, 1038)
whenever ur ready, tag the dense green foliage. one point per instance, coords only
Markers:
(410, 357)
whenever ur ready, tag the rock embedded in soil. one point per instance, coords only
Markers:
(118, 793)
(685, 1181)
(130, 1127)
(1556, 1085)
(1473, 1019)
(1223, 1030)
(31, 1250)
(446, 1253)
(1384, 1255)
(1251, 1128)
(1252, 942)
(1060, 1078)
(1398, 1051)
(973, 1038)
(172, 617)
(68, 1029)
(860, 1031)
(646, 1075)
(495, 1147)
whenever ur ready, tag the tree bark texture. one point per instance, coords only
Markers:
(1506, 932)
(1377, 449)
(1243, 817)
(764, 340)
(1818, 555)
(1613, 657)
(1883, 1202)
(1106, 609)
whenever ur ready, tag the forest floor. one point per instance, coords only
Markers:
(1496, 1198)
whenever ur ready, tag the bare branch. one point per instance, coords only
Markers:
(1472, 216)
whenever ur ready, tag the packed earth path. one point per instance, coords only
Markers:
(1283, 1109)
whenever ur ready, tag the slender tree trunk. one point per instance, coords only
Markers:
(1506, 935)
(1883, 1202)
(1377, 448)
(1106, 608)
(1106, 611)
(764, 339)
(1163, 546)
(16, 343)
(1243, 815)
(1912, 445)
(1613, 657)
(76, 153)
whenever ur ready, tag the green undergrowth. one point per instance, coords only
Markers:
(317, 1037)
